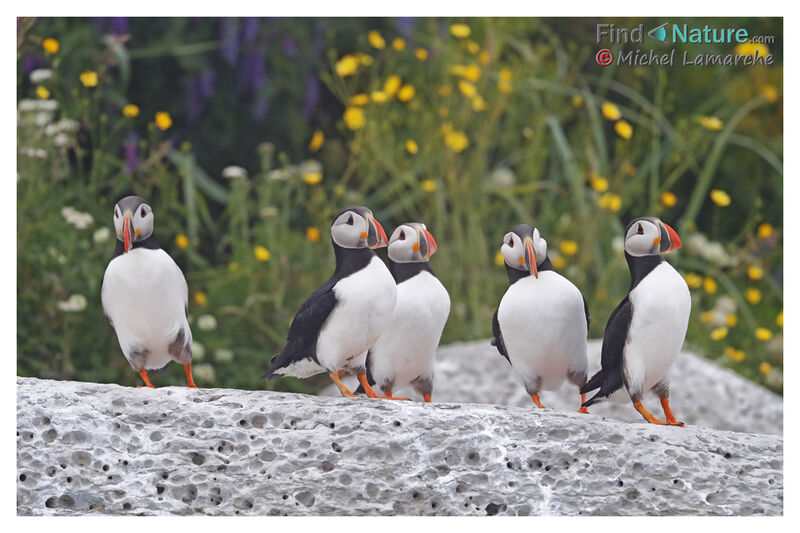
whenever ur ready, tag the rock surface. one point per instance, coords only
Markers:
(702, 393)
(86, 448)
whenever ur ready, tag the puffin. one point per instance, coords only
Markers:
(338, 323)
(145, 296)
(645, 332)
(542, 321)
(404, 354)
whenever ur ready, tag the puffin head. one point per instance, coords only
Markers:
(133, 220)
(356, 227)
(649, 236)
(524, 249)
(411, 243)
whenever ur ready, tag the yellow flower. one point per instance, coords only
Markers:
(466, 88)
(233, 266)
(765, 230)
(693, 280)
(753, 295)
(610, 201)
(130, 111)
(669, 199)
(711, 123)
(568, 247)
(312, 234)
(731, 320)
(483, 58)
(347, 65)
(623, 129)
(359, 100)
(354, 117)
(577, 100)
(316, 141)
(379, 97)
(312, 178)
(610, 111)
(411, 146)
(444, 90)
(200, 298)
(499, 260)
(50, 45)
(42, 92)
(598, 183)
(89, 78)
(736, 355)
(398, 43)
(391, 85)
(765, 368)
(718, 334)
(747, 49)
(460, 30)
(720, 197)
(376, 39)
(163, 120)
(559, 262)
(755, 272)
(470, 72)
(261, 254)
(770, 93)
(779, 319)
(710, 285)
(421, 54)
(364, 59)
(457, 141)
(428, 185)
(504, 80)
(406, 93)
(763, 334)
(706, 317)
(181, 241)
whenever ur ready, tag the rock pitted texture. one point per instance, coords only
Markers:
(92, 448)
(702, 392)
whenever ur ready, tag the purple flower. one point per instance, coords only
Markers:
(405, 25)
(31, 62)
(198, 89)
(119, 25)
(252, 72)
(250, 29)
(311, 97)
(289, 46)
(130, 148)
(230, 40)
(260, 108)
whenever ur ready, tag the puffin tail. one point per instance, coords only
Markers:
(272, 371)
(608, 383)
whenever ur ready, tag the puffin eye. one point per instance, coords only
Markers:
(350, 220)
(116, 214)
(640, 230)
(144, 212)
(402, 235)
(510, 242)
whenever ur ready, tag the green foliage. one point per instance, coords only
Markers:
(512, 123)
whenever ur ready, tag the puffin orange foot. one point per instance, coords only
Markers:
(668, 414)
(362, 378)
(647, 415)
(583, 401)
(583, 410)
(427, 398)
(143, 375)
(189, 379)
(535, 398)
(342, 387)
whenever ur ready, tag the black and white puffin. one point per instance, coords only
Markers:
(145, 296)
(542, 321)
(404, 353)
(337, 324)
(646, 330)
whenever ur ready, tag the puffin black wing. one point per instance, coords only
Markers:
(301, 343)
(609, 378)
(586, 310)
(497, 339)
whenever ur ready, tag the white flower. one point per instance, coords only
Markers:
(101, 235)
(74, 304)
(223, 355)
(696, 243)
(33, 153)
(204, 372)
(76, 218)
(280, 174)
(28, 105)
(268, 211)
(503, 177)
(61, 139)
(42, 118)
(234, 172)
(618, 244)
(198, 351)
(207, 323)
(725, 304)
(41, 75)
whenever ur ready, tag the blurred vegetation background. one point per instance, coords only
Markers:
(247, 135)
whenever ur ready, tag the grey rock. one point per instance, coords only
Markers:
(87, 448)
(702, 392)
